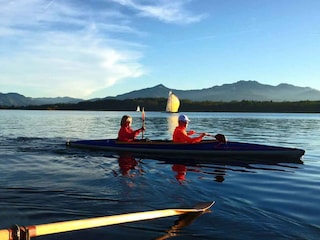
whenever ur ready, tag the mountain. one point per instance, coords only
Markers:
(159, 91)
(241, 90)
(238, 91)
(16, 100)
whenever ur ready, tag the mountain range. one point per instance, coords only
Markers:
(238, 91)
(18, 100)
(241, 90)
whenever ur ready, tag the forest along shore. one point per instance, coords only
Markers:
(159, 104)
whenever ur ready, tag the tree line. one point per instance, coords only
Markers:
(159, 104)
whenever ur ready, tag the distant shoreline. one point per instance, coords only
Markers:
(158, 105)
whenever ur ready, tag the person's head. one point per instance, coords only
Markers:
(126, 120)
(183, 120)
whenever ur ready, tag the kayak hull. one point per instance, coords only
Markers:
(206, 148)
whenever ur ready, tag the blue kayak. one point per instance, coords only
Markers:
(205, 148)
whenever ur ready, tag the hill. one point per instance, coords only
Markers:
(239, 91)
(18, 100)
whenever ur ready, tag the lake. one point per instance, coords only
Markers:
(43, 181)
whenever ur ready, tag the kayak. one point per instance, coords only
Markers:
(205, 148)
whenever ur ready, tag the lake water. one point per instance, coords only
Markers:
(43, 181)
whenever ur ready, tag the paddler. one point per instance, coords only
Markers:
(181, 135)
(126, 133)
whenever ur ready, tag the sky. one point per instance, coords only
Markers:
(98, 48)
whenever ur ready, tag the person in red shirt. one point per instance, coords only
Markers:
(126, 133)
(180, 134)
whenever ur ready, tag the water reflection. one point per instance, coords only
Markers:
(183, 221)
(181, 172)
(128, 165)
(217, 170)
(172, 120)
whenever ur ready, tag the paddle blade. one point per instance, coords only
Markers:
(143, 116)
(204, 206)
(221, 138)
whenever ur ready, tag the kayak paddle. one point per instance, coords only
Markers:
(25, 233)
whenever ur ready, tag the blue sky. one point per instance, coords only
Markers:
(99, 48)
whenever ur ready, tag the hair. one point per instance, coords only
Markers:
(124, 119)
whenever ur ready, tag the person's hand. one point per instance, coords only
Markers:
(142, 128)
(203, 134)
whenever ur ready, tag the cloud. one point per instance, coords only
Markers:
(171, 11)
(75, 47)
(54, 47)
(71, 64)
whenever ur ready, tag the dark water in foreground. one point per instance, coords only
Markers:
(43, 181)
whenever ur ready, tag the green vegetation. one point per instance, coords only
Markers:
(158, 104)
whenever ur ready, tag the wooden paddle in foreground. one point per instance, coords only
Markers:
(25, 233)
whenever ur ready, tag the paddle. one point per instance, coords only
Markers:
(25, 233)
(143, 116)
(219, 137)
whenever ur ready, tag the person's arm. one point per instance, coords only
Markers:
(127, 134)
(137, 132)
(191, 132)
(182, 137)
(198, 139)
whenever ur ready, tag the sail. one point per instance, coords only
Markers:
(138, 108)
(173, 103)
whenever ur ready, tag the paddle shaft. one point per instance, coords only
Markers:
(143, 116)
(210, 135)
(218, 137)
(59, 227)
(206, 134)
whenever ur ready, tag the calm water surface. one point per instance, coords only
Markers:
(43, 181)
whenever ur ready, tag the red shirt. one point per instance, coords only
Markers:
(180, 135)
(127, 134)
